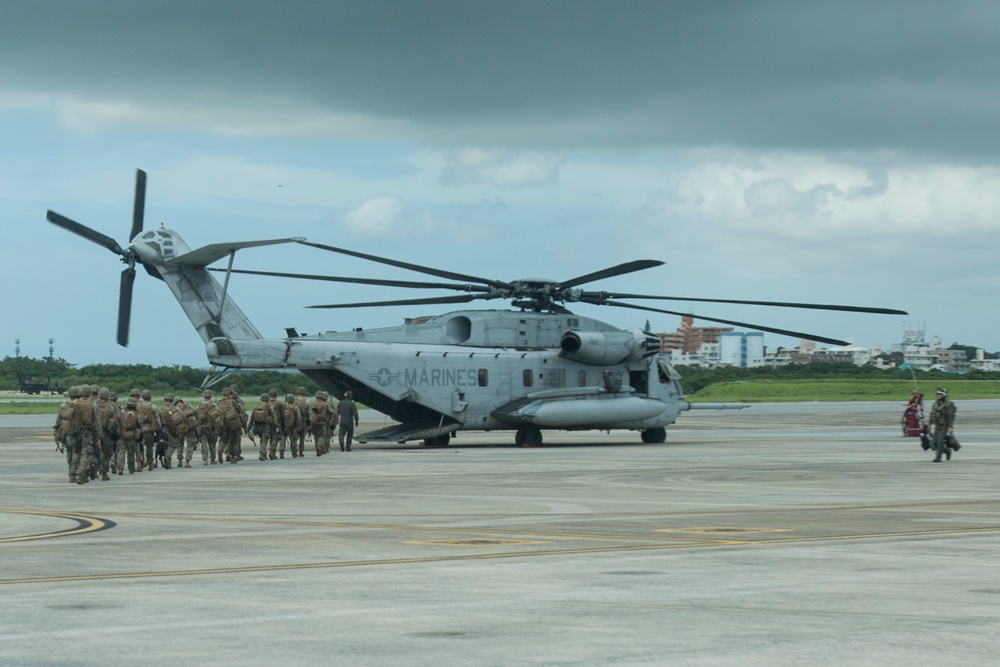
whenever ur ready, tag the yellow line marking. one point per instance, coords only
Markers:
(86, 524)
(721, 530)
(470, 557)
(434, 529)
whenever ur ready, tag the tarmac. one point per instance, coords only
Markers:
(784, 534)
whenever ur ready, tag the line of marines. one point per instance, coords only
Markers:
(99, 437)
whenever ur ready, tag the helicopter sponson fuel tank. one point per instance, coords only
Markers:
(539, 367)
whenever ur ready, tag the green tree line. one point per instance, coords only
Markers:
(160, 379)
(694, 379)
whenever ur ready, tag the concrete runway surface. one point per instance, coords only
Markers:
(784, 534)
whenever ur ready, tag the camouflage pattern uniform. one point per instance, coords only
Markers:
(90, 435)
(942, 423)
(293, 420)
(210, 421)
(243, 416)
(192, 431)
(131, 432)
(298, 436)
(111, 430)
(280, 431)
(324, 420)
(149, 423)
(262, 425)
(67, 433)
(174, 429)
(232, 426)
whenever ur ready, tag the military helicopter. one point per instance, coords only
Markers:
(540, 367)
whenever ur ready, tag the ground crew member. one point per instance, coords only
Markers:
(67, 433)
(210, 428)
(942, 424)
(324, 420)
(149, 424)
(348, 420)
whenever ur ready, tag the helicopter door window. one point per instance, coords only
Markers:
(484, 377)
(582, 378)
(528, 377)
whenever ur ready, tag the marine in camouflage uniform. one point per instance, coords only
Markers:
(174, 429)
(131, 434)
(192, 431)
(90, 435)
(298, 435)
(262, 425)
(210, 421)
(243, 416)
(149, 423)
(324, 421)
(232, 426)
(280, 431)
(111, 430)
(293, 420)
(67, 432)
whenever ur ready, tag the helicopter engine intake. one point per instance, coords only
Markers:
(603, 348)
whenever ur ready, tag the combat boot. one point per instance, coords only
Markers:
(187, 463)
(271, 456)
(104, 476)
(72, 479)
(82, 479)
(166, 463)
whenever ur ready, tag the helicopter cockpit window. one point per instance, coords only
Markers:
(528, 377)
(484, 377)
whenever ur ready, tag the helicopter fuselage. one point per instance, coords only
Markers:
(484, 370)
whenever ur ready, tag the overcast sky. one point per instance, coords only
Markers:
(839, 152)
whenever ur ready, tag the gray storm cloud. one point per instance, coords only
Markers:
(914, 77)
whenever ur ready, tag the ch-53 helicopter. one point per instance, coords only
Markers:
(537, 368)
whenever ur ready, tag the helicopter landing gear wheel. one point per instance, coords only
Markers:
(654, 436)
(438, 440)
(528, 436)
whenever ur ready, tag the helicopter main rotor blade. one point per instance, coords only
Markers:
(407, 302)
(745, 325)
(85, 232)
(125, 304)
(627, 267)
(450, 275)
(139, 206)
(361, 281)
(778, 304)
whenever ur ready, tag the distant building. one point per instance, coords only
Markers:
(742, 349)
(688, 338)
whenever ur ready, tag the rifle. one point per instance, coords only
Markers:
(249, 435)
